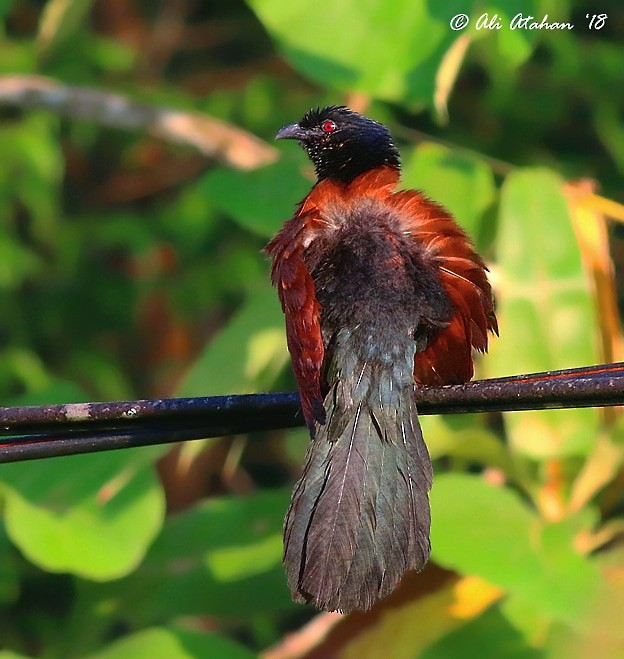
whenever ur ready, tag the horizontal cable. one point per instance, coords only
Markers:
(27, 433)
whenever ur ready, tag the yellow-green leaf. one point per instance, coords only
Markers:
(545, 308)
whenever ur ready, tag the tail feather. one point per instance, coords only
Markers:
(359, 515)
(366, 568)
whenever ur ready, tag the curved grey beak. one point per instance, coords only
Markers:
(291, 132)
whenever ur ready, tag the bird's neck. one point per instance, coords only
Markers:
(345, 164)
(350, 171)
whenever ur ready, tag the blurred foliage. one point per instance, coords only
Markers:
(130, 267)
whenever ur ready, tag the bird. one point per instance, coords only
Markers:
(382, 293)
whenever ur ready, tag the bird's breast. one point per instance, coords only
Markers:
(368, 271)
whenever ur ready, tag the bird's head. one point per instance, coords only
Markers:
(341, 143)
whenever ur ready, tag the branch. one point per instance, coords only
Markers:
(35, 432)
(213, 138)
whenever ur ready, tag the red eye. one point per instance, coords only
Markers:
(328, 126)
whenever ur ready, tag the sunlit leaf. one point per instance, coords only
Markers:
(490, 631)
(234, 563)
(528, 620)
(465, 439)
(601, 466)
(247, 355)
(173, 644)
(544, 307)
(261, 200)
(220, 558)
(488, 531)
(91, 515)
(330, 42)
(591, 232)
(514, 45)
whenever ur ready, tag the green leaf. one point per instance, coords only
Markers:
(9, 583)
(490, 636)
(5, 7)
(247, 355)
(17, 263)
(523, 616)
(330, 42)
(53, 392)
(464, 184)
(610, 131)
(59, 20)
(260, 200)
(234, 563)
(465, 439)
(112, 55)
(514, 45)
(16, 56)
(32, 170)
(545, 309)
(91, 515)
(221, 558)
(24, 366)
(173, 644)
(488, 531)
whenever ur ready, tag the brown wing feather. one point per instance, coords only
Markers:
(448, 358)
(297, 295)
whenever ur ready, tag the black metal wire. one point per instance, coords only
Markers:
(28, 433)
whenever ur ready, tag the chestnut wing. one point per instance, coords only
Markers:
(448, 357)
(301, 308)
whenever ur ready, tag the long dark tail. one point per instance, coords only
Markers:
(359, 515)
